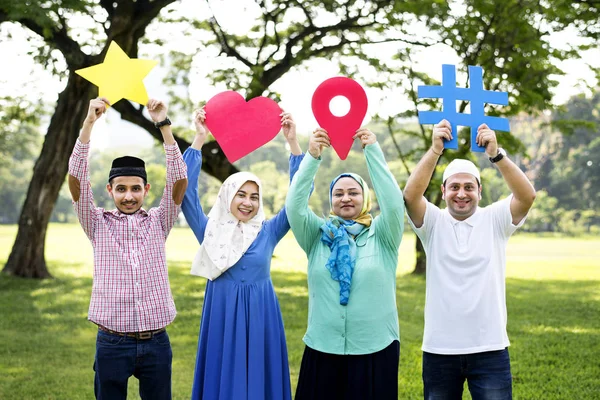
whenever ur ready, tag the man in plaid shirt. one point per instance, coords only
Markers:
(131, 298)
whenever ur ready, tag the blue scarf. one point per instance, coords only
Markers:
(335, 233)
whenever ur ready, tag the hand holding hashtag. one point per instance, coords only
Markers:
(441, 131)
(487, 138)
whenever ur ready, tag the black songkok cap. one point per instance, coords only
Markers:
(128, 166)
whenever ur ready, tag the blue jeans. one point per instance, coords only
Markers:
(119, 357)
(487, 374)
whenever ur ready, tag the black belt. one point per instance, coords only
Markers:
(144, 335)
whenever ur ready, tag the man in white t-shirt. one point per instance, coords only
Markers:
(465, 309)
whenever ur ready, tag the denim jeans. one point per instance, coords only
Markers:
(487, 374)
(119, 357)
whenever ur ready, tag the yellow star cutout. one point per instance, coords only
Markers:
(119, 77)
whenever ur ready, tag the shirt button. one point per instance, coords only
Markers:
(243, 280)
(343, 335)
(137, 284)
(343, 317)
(244, 267)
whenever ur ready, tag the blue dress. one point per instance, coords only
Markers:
(242, 352)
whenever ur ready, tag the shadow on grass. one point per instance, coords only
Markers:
(554, 327)
(48, 345)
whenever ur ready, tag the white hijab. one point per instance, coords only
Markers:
(226, 238)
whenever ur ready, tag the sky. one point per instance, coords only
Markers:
(21, 74)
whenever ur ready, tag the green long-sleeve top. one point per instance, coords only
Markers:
(369, 322)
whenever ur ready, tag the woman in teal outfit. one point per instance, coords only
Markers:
(352, 341)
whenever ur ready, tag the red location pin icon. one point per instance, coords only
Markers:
(340, 129)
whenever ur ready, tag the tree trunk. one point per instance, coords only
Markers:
(27, 256)
(421, 258)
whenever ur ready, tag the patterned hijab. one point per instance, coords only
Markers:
(338, 234)
(226, 238)
(364, 217)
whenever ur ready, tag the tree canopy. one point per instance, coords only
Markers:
(509, 39)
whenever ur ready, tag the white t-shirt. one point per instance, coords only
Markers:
(465, 303)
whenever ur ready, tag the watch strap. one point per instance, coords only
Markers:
(498, 157)
(164, 122)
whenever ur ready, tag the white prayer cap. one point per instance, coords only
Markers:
(458, 166)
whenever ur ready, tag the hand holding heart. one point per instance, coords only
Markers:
(288, 126)
(201, 128)
(241, 127)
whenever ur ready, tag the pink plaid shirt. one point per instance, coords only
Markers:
(131, 291)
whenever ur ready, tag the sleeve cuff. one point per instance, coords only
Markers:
(372, 147)
(192, 150)
(312, 159)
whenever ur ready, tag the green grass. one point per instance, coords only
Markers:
(553, 294)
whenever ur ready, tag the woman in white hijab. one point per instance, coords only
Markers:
(242, 352)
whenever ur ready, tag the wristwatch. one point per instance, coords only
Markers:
(166, 121)
(501, 154)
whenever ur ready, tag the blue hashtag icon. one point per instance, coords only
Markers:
(477, 98)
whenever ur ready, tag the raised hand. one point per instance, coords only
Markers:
(441, 131)
(318, 140)
(157, 110)
(288, 126)
(201, 128)
(96, 108)
(200, 122)
(487, 138)
(365, 136)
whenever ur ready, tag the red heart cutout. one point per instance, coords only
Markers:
(340, 129)
(241, 127)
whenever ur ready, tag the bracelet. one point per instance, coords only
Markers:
(438, 154)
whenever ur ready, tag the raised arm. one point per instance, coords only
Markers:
(79, 176)
(419, 179)
(521, 188)
(389, 196)
(279, 224)
(192, 210)
(304, 223)
(176, 169)
(288, 127)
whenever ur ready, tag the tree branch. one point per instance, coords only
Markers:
(389, 123)
(215, 163)
(225, 46)
(108, 6)
(146, 11)
(57, 38)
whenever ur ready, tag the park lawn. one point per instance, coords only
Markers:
(553, 295)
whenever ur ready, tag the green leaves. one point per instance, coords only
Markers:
(19, 128)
